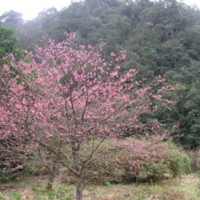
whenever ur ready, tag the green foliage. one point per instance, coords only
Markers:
(60, 192)
(15, 196)
(179, 162)
(9, 177)
(2, 197)
(118, 165)
(4, 178)
(107, 184)
(9, 44)
(174, 163)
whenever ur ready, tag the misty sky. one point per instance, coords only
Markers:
(30, 8)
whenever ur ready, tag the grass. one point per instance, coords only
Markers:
(33, 188)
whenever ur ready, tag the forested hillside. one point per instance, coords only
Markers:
(161, 38)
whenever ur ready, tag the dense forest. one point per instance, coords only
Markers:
(99, 90)
(161, 38)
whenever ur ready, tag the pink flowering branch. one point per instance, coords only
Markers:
(65, 98)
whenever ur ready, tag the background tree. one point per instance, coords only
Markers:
(9, 44)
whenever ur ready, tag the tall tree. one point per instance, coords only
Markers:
(69, 99)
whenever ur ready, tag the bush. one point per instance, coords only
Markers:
(179, 162)
(195, 159)
(138, 160)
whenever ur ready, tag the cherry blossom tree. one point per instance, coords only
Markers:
(65, 99)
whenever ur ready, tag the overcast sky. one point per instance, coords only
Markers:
(30, 8)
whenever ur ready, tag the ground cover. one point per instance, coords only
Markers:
(33, 188)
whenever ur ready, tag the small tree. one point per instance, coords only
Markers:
(66, 99)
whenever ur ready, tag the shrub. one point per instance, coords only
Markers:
(179, 162)
(138, 160)
(195, 159)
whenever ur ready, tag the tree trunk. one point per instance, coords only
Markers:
(50, 182)
(77, 162)
(79, 188)
(51, 177)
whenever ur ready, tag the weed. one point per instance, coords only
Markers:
(66, 198)
(139, 195)
(2, 197)
(182, 188)
(15, 196)
(35, 188)
(198, 184)
(108, 184)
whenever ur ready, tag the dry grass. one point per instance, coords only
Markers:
(195, 159)
(33, 188)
